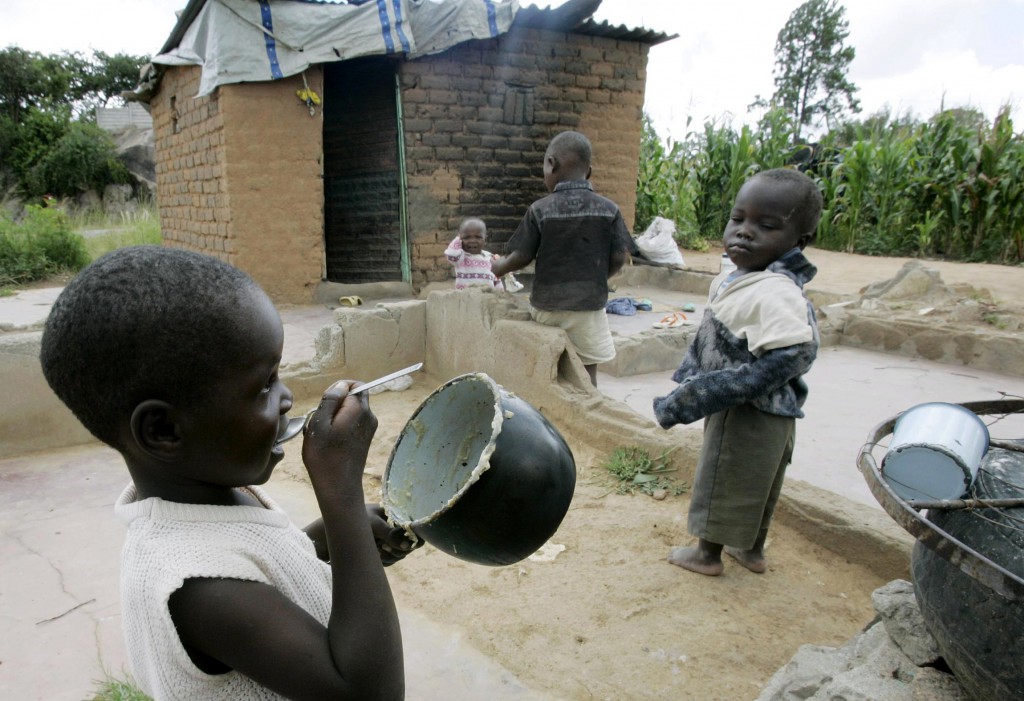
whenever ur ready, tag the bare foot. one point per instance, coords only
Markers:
(752, 560)
(695, 560)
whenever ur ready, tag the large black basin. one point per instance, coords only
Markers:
(979, 632)
(479, 473)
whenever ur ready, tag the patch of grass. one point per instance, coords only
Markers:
(54, 242)
(632, 470)
(138, 227)
(996, 320)
(110, 689)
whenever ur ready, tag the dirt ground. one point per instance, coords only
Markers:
(608, 617)
(981, 296)
(844, 273)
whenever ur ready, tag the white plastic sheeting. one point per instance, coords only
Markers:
(258, 40)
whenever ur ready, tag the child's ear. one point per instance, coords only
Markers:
(554, 163)
(155, 430)
(590, 169)
(804, 240)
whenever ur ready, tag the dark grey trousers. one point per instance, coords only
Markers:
(739, 477)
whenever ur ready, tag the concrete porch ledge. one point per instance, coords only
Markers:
(32, 418)
(474, 332)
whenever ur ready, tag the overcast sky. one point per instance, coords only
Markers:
(911, 54)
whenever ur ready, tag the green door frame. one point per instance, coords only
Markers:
(403, 183)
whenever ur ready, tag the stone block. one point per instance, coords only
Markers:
(898, 609)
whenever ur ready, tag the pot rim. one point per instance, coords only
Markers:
(483, 464)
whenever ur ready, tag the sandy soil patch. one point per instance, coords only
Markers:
(984, 297)
(846, 273)
(608, 617)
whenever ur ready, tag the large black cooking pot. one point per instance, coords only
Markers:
(479, 473)
(979, 632)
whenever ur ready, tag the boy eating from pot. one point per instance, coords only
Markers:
(743, 372)
(171, 358)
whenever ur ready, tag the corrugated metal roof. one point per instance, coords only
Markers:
(576, 16)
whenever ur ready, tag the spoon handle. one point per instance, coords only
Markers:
(387, 378)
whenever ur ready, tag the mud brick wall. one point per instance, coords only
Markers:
(239, 172)
(189, 144)
(478, 118)
(238, 177)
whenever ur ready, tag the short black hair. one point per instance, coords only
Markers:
(809, 200)
(143, 322)
(473, 221)
(572, 145)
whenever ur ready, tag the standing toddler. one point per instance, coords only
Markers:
(743, 373)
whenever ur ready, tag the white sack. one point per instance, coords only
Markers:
(658, 243)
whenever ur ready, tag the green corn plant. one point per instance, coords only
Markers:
(951, 187)
(774, 140)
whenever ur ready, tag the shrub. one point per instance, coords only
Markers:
(40, 244)
(112, 689)
(83, 159)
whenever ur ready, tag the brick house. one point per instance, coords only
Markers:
(370, 185)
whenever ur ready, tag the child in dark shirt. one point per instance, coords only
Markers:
(743, 373)
(171, 358)
(579, 240)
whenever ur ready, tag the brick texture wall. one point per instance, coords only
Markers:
(189, 144)
(239, 172)
(478, 119)
(238, 177)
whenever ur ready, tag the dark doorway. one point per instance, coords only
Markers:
(363, 236)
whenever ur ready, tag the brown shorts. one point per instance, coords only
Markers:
(588, 332)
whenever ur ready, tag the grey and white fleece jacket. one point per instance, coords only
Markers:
(757, 339)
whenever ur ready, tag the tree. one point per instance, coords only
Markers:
(30, 79)
(811, 62)
(43, 98)
(110, 75)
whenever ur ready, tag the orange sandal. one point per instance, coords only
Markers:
(671, 321)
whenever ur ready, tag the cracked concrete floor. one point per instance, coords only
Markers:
(59, 604)
(58, 594)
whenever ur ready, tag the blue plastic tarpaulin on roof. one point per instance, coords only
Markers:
(258, 40)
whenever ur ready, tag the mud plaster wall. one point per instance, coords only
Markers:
(476, 331)
(1001, 353)
(238, 177)
(239, 171)
(478, 118)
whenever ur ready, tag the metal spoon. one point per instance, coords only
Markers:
(294, 426)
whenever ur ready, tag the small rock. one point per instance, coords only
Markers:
(931, 684)
(898, 609)
(547, 552)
